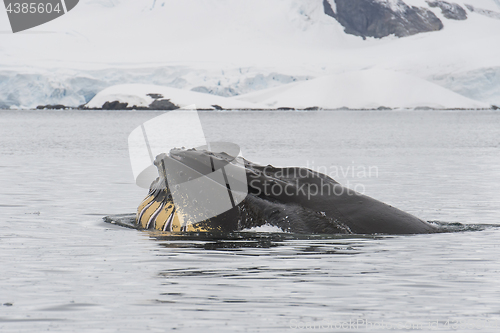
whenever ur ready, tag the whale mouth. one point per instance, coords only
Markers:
(203, 184)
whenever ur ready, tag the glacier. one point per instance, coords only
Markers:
(234, 49)
(29, 88)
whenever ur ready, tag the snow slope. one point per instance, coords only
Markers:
(368, 89)
(138, 95)
(229, 48)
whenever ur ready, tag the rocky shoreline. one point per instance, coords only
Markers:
(118, 106)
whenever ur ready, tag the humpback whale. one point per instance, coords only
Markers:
(295, 199)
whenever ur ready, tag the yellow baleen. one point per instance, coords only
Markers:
(157, 212)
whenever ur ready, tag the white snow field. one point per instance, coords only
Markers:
(369, 89)
(232, 48)
(139, 95)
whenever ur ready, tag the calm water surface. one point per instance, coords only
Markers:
(62, 269)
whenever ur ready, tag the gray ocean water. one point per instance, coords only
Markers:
(63, 269)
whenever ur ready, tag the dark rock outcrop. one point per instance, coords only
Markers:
(451, 11)
(328, 8)
(155, 96)
(162, 104)
(52, 107)
(372, 18)
(115, 105)
(159, 103)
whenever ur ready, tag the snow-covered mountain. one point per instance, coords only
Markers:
(366, 89)
(233, 48)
